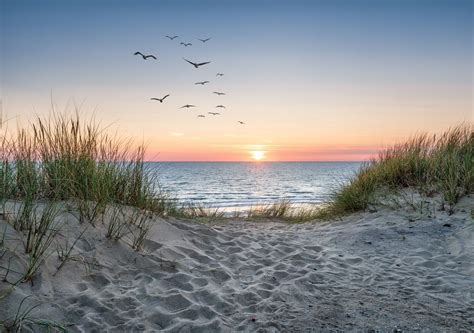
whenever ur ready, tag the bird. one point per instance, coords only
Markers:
(241, 122)
(188, 106)
(214, 113)
(219, 74)
(220, 106)
(218, 93)
(202, 82)
(186, 44)
(145, 57)
(196, 65)
(201, 116)
(159, 99)
(204, 40)
(171, 38)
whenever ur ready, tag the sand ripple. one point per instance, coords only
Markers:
(371, 271)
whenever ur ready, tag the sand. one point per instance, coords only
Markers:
(384, 270)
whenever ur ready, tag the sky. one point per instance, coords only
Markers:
(312, 80)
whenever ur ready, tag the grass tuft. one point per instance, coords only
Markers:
(24, 321)
(200, 212)
(40, 234)
(287, 211)
(69, 158)
(443, 164)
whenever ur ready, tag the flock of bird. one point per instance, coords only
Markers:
(195, 65)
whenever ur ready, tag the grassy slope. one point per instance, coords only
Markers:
(431, 164)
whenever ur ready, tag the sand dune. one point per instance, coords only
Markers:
(385, 270)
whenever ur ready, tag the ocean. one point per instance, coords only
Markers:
(243, 184)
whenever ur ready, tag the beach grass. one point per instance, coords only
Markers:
(72, 158)
(66, 160)
(69, 158)
(431, 164)
(283, 210)
(25, 321)
(199, 212)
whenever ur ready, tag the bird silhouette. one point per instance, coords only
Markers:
(196, 65)
(188, 106)
(241, 122)
(201, 116)
(172, 37)
(218, 93)
(219, 74)
(159, 99)
(202, 82)
(214, 113)
(186, 44)
(220, 106)
(204, 40)
(145, 57)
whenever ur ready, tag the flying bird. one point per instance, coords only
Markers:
(186, 44)
(188, 106)
(202, 82)
(172, 37)
(219, 74)
(196, 65)
(220, 106)
(218, 93)
(214, 113)
(241, 122)
(204, 40)
(145, 57)
(159, 99)
(201, 116)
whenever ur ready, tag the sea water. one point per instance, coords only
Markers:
(243, 184)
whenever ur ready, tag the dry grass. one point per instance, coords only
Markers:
(66, 158)
(69, 158)
(432, 164)
(284, 210)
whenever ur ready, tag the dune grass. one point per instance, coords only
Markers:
(284, 210)
(69, 158)
(199, 212)
(72, 160)
(431, 164)
(25, 321)
(66, 158)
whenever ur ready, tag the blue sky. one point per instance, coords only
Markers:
(309, 75)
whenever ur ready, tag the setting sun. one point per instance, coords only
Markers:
(258, 155)
(261, 162)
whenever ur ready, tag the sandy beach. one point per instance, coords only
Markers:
(385, 270)
(236, 166)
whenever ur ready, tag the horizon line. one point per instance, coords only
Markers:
(259, 162)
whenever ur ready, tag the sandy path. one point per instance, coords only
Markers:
(370, 271)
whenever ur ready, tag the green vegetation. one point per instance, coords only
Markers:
(23, 320)
(431, 164)
(66, 158)
(41, 230)
(65, 161)
(199, 212)
(284, 210)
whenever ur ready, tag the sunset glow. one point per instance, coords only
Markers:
(258, 155)
(308, 80)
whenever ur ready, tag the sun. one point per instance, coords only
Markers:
(258, 155)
